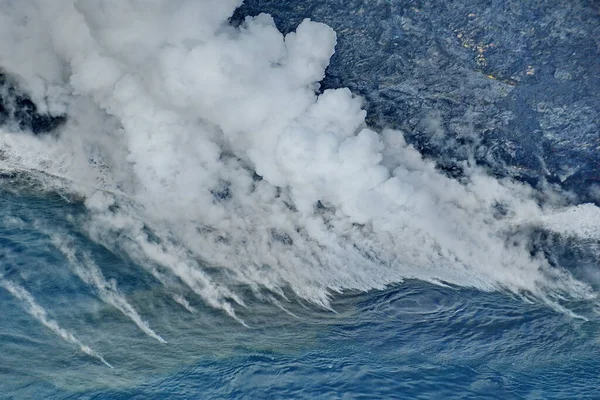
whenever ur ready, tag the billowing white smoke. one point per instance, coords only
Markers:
(216, 140)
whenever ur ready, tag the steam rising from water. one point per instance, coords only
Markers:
(87, 270)
(39, 314)
(207, 154)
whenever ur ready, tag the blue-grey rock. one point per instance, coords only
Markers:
(512, 84)
(19, 112)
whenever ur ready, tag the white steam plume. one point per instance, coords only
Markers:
(215, 140)
(36, 311)
(87, 270)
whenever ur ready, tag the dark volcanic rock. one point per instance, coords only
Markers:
(19, 112)
(513, 84)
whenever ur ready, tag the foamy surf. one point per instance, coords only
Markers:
(207, 153)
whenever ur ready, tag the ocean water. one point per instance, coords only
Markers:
(411, 340)
(206, 211)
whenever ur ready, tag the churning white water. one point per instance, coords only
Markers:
(209, 156)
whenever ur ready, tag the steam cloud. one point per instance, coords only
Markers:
(216, 140)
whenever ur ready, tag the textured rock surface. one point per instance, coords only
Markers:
(514, 84)
(19, 112)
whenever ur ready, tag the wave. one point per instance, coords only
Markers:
(208, 154)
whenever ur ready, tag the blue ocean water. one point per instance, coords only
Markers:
(413, 340)
(509, 86)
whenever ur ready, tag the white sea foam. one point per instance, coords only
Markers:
(582, 221)
(227, 168)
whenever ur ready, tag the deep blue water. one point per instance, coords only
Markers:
(413, 340)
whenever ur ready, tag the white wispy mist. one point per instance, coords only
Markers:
(215, 139)
(37, 312)
(87, 270)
